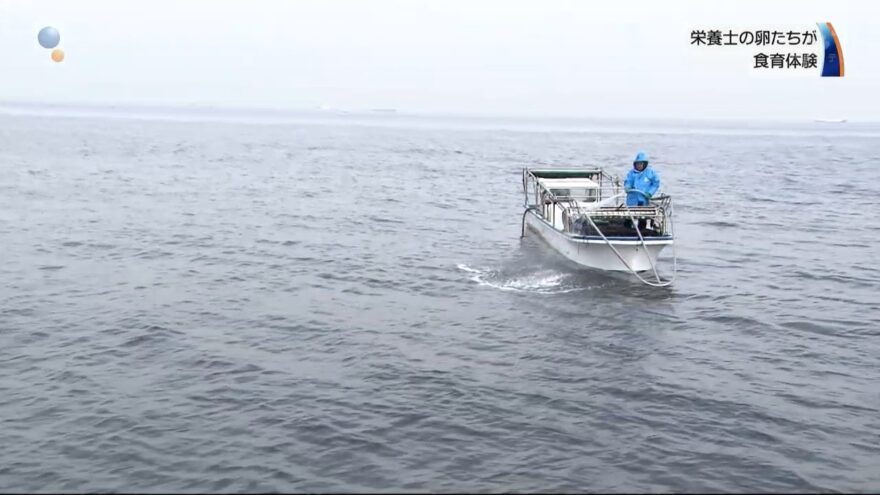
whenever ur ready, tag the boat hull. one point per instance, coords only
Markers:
(595, 252)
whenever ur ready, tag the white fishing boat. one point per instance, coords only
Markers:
(582, 214)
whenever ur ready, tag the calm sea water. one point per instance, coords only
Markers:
(347, 305)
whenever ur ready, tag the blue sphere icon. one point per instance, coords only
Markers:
(49, 37)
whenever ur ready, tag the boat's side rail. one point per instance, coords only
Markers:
(664, 201)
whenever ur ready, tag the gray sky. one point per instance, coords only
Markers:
(491, 57)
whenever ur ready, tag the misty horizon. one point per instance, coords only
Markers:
(133, 109)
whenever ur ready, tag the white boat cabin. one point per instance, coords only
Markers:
(566, 194)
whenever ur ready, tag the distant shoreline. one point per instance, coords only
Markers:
(385, 117)
(189, 109)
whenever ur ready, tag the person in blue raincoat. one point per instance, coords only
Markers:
(641, 178)
(641, 184)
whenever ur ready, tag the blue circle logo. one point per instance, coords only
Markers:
(49, 37)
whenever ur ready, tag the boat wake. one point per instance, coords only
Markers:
(540, 282)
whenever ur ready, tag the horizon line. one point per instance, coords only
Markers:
(391, 112)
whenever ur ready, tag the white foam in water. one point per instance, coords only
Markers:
(468, 269)
(543, 282)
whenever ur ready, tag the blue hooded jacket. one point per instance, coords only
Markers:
(646, 181)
